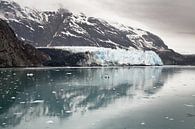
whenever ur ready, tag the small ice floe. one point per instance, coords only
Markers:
(14, 74)
(53, 92)
(189, 105)
(49, 122)
(37, 101)
(1, 107)
(13, 97)
(57, 70)
(29, 74)
(171, 119)
(68, 112)
(68, 73)
(3, 124)
(18, 113)
(142, 123)
(168, 118)
(22, 102)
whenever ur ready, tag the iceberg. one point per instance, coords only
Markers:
(114, 57)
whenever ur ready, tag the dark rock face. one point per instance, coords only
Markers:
(15, 53)
(64, 58)
(170, 57)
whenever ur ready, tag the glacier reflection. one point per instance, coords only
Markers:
(28, 94)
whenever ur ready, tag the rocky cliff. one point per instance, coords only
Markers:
(15, 53)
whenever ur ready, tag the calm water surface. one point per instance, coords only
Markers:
(98, 98)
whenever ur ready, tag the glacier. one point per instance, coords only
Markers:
(113, 57)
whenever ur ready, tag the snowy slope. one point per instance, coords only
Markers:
(63, 28)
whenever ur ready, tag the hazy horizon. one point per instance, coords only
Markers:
(173, 21)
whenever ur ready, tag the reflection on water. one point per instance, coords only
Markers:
(27, 95)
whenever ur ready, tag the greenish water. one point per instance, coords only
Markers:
(98, 98)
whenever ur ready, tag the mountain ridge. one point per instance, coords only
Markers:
(63, 28)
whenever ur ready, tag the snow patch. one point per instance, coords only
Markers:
(30, 28)
(41, 26)
(67, 33)
(2, 16)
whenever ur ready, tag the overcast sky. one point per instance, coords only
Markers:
(172, 20)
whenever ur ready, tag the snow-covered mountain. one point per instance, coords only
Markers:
(63, 28)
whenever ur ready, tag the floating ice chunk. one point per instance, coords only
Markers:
(13, 97)
(189, 105)
(143, 123)
(30, 74)
(49, 122)
(68, 112)
(68, 73)
(53, 92)
(3, 123)
(171, 119)
(37, 101)
(18, 113)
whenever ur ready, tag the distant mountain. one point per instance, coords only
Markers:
(15, 53)
(63, 28)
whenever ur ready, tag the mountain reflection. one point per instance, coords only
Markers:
(27, 94)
